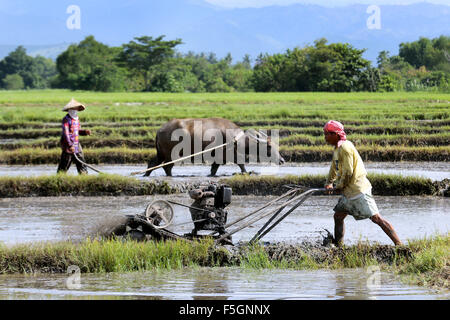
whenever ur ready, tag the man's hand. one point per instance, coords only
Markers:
(72, 149)
(329, 189)
(88, 132)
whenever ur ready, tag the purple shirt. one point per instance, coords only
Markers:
(70, 133)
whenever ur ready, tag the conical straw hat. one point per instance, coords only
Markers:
(74, 104)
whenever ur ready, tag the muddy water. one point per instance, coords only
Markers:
(216, 283)
(433, 170)
(48, 219)
(42, 219)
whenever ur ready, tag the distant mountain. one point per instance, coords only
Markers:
(204, 28)
(48, 51)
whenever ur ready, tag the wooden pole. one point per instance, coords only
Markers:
(236, 138)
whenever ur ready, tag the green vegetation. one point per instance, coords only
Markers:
(384, 127)
(115, 185)
(93, 156)
(84, 185)
(431, 263)
(20, 71)
(424, 261)
(382, 184)
(104, 256)
(153, 64)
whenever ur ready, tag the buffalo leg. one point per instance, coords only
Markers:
(152, 163)
(168, 169)
(214, 168)
(242, 168)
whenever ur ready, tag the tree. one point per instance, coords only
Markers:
(34, 72)
(428, 53)
(267, 72)
(13, 82)
(18, 63)
(322, 67)
(247, 61)
(142, 56)
(15, 62)
(90, 65)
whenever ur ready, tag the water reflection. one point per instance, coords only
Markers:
(215, 283)
(432, 170)
(47, 219)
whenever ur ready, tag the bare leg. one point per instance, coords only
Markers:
(387, 228)
(339, 228)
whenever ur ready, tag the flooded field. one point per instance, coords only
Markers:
(436, 171)
(62, 218)
(29, 220)
(217, 284)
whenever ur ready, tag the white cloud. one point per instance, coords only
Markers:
(327, 3)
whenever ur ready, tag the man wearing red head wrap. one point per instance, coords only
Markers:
(348, 172)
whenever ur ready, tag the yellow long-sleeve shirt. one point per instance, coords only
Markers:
(347, 170)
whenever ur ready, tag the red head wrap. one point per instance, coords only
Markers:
(335, 126)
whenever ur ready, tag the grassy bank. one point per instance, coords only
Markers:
(382, 184)
(423, 261)
(118, 155)
(104, 256)
(115, 185)
(431, 263)
(127, 155)
(148, 141)
(84, 185)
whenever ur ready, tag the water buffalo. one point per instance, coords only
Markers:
(206, 133)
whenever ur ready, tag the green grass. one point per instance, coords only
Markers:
(98, 256)
(89, 97)
(87, 185)
(382, 184)
(118, 155)
(384, 126)
(424, 261)
(147, 140)
(34, 106)
(431, 263)
(298, 153)
(115, 185)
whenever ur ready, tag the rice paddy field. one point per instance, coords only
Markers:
(385, 127)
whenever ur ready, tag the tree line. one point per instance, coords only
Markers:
(153, 64)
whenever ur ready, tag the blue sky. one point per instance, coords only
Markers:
(327, 3)
(23, 7)
(19, 7)
(210, 25)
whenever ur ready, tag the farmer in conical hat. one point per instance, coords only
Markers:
(348, 172)
(70, 145)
